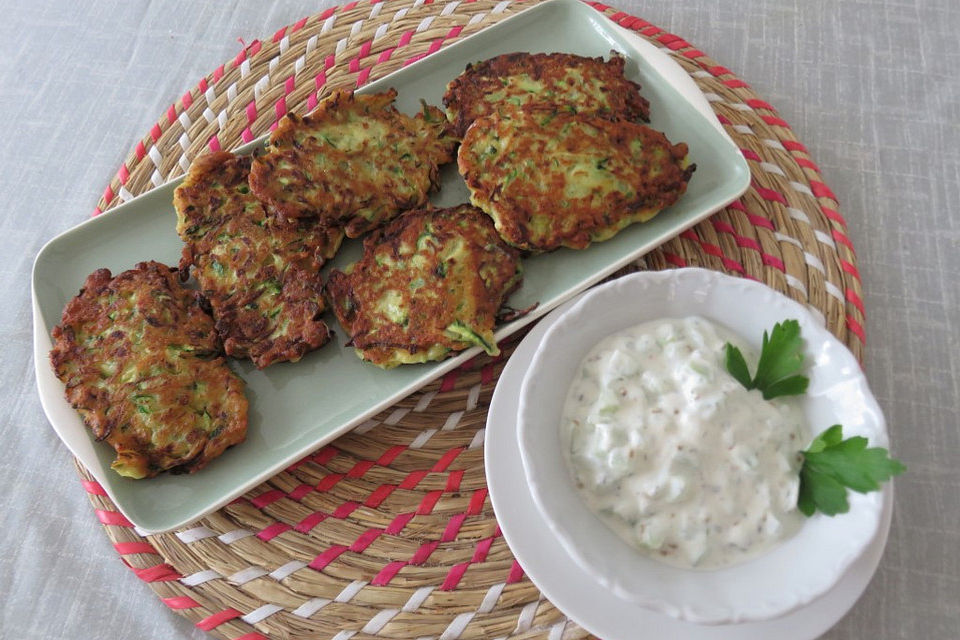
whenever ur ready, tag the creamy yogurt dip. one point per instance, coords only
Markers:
(674, 454)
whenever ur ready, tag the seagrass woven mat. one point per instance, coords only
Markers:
(388, 532)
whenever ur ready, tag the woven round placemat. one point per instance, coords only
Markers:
(388, 532)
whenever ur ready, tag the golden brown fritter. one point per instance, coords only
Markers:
(142, 365)
(551, 179)
(355, 161)
(428, 284)
(259, 273)
(579, 84)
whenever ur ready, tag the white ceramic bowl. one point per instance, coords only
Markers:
(773, 584)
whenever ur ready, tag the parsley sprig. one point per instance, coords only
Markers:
(831, 465)
(781, 358)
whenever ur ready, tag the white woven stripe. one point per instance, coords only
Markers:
(416, 599)
(262, 85)
(341, 46)
(350, 591)
(425, 24)
(310, 607)
(222, 119)
(802, 188)
(425, 401)
(833, 290)
(344, 635)
(261, 613)
(328, 24)
(381, 31)
(473, 397)
(701, 74)
(299, 65)
(232, 92)
(418, 3)
(457, 626)
(156, 179)
(788, 239)
(210, 94)
(184, 142)
(478, 438)
(246, 575)
(356, 27)
(798, 214)
(209, 115)
(712, 97)
(197, 533)
(477, 17)
(379, 621)
(450, 8)
(284, 45)
(311, 45)
(396, 416)
(525, 619)
(775, 144)
(155, 157)
(125, 195)
(452, 421)
(283, 571)
(772, 168)
(184, 163)
(556, 631)
(814, 261)
(422, 438)
(794, 282)
(232, 536)
(375, 11)
(744, 129)
(825, 239)
(501, 7)
(184, 120)
(491, 598)
(200, 577)
(400, 14)
(366, 426)
(739, 106)
(245, 68)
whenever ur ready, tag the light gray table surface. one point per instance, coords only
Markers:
(869, 86)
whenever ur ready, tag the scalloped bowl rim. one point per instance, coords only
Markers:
(751, 591)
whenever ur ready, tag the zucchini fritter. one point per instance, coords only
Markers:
(553, 179)
(355, 161)
(579, 84)
(259, 273)
(429, 283)
(141, 363)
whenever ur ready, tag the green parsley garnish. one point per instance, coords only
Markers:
(831, 465)
(781, 358)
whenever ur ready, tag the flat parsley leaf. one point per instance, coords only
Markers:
(781, 359)
(831, 465)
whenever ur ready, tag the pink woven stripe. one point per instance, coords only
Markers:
(387, 573)
(264, 499)
(453, 528)
(857, 330)
(365, 540)
(129, 548)
(156, 573)
(345, 509)
(751, 155)
(93, 487)
(327, 557)
(855, 300)
(821, 190)
(329, 481)
(272, 531)
(453, 481)
(253, 635)
(446, 459)
(212, 622)
(428, 503)
(770, 195)
(113, 518)
(312, 520)
(516, 573)
(325, 455)
(398, 523)
(360, 468)
(422, 554)
(449, 381)
(674, 259)
(381, 493)
(180, 602)
(849, 268)
(300, 492)
(454, 576)
(476, 501)
(483, 548)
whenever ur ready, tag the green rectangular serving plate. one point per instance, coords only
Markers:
(296, 408)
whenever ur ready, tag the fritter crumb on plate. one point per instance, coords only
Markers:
(354, 161)
(551, 179)
(428, 284)
(576, 83)
(259, 273)
(142, 365)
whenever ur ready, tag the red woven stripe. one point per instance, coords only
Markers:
(300, 492)
(108, 194)
(857, 330)
(413, 479)
(114, 518)
(756, 103)
(345, 509)
(214, 143)
(791, 145)
(807, 164)
(454, 576)
(736, 83)
(327, 557)
(271, 532)
(217, 74)
(180, 602)
(379, 494)
(127, 548)
(247, 135)
(349, 6)
(760, 221)
(360, 468)
(849, 268)
(453, 527)
(387, 573)
(365, 540)
(155, 132)
(770, 194)
(398, 523)
(674, 259)
(329, 481)
(718, 70)
(775, 121)
(855, 300)
(280, 108)
(449, 381)
(453, 481)
(723, 119)
(422, 554)
(253, 635)
(446, 459)
(325, 455)
(773, 261)
(821, 190)
(842, 239)
(171, 114)
(751, 155)
(364, 76)
(140, 150)
(278, 36)
(516, 573)
(202, 86)
(476, 502)
(693, 53)
(310, 521)
(93, 487)
(428, 503)
(391, 454)
(264, 499)
(483, 548)
(486, 374)
(157, 573)
(212, 622)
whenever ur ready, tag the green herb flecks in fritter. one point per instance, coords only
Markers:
(355, 161)
(428, 284)
(562, 80)
(553, 179)
(142, 365)
(259, 273)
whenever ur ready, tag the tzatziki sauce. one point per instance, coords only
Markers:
(674, 454)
